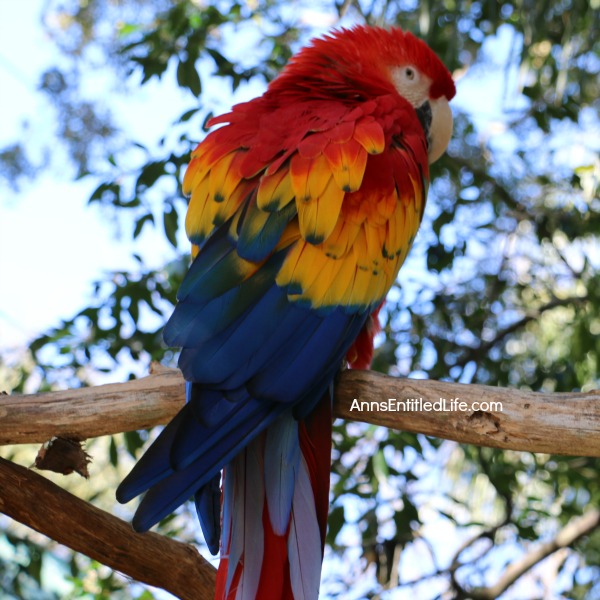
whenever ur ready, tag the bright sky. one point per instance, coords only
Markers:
(52, 245)
(49, 239)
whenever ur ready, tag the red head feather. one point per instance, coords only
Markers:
(352, 63)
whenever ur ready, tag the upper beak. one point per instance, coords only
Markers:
(440, 128)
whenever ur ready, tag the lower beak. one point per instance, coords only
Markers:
(440, 128)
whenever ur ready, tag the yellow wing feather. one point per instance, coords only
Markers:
(318, 216)
(348, 162)
(275, 191)
(197, 227)
(341, 238)
(346, 243)
(310, 177)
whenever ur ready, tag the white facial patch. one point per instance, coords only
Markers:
(411, 84)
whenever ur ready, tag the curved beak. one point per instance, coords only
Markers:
(440, 129)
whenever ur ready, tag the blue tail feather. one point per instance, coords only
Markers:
(211, 407)
(160, 462)
(193, 324)
(193, 439)
(282, 459)
(227, 351)
(291, 325)
(165, 496)
(153, 466)
(208, 507)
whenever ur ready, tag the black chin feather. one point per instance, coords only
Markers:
(424, 114)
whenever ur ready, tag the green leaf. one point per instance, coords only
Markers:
(106, 192)
(139, 224)
(127, 29)
(170, 221)
(335, 522)
(380, 468)
(133, 442)
(188, 77)
(113, 454)
(149, 175)
(186, 116)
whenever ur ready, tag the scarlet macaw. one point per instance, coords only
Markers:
(304, 205)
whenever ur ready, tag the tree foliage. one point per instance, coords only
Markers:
(502, 286)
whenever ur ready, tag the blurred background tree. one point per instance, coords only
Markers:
(501, 288)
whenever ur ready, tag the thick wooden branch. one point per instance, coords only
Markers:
(92, 412)
(566, 423)
(150, 558)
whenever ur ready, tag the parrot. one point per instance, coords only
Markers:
(303, 205)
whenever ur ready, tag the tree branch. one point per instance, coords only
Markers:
(565, 423)
(92, 412)
(569, 534)
(149, 557)
(533, 315)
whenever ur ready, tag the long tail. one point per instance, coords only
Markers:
(275, 505)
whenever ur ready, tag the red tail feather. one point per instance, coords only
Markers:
(303, 539)
(275, 574)
(315, 443)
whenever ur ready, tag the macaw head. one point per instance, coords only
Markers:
(357, 64)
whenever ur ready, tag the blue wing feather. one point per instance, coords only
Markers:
(257, 245)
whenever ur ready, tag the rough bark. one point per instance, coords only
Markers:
(566, 423)
(150, 558)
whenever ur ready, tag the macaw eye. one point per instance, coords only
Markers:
(410, 73)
